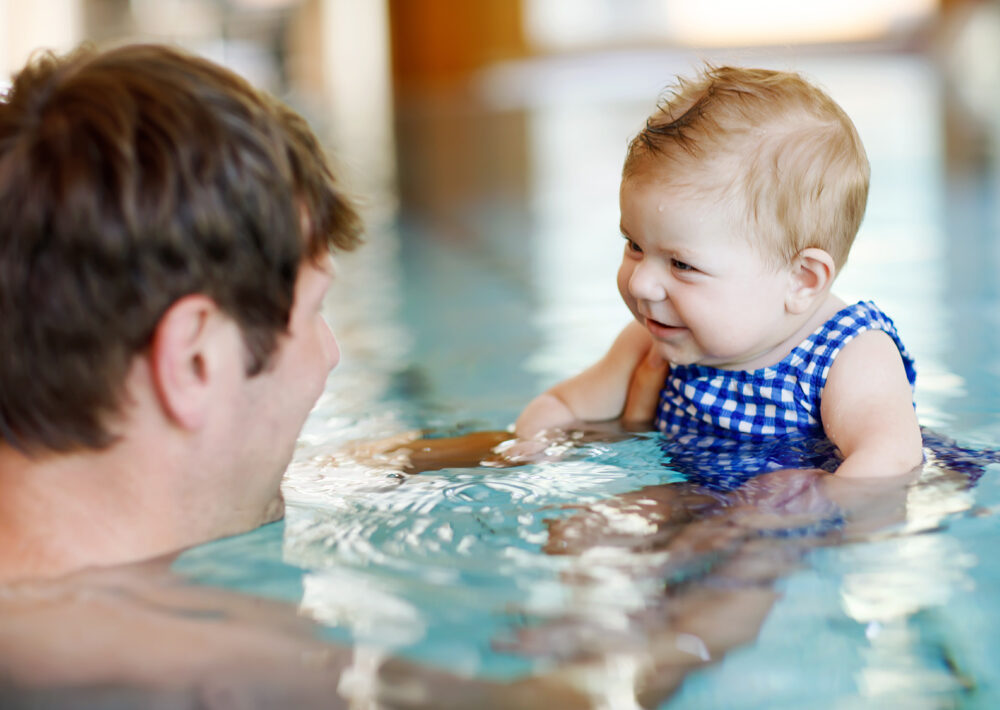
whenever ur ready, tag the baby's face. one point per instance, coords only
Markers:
(703, 292)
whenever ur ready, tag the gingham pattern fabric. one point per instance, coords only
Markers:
(724, 463)
(772, 401)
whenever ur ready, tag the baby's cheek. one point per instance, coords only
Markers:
(624, 274)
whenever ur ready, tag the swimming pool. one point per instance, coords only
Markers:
(494, 279)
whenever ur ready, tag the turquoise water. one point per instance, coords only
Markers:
(469, 300)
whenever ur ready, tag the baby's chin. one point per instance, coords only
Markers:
(680, 358)
(675, 356)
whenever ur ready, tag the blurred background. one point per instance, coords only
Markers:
(355, 65)
(484, 139)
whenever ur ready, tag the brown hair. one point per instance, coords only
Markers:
(129, 179)
(769, 144)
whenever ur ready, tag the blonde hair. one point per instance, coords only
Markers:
(772, 146)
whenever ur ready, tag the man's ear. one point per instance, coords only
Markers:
(812, 273)
(182, 358)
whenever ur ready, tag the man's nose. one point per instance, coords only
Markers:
(330, 348)
(648, 282)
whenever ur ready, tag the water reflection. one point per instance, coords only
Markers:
(535, 571)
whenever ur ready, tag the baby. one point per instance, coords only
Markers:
(739, 203)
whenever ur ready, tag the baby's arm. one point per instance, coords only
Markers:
(599, 393)
(867, 409)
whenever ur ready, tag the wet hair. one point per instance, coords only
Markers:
(130, 179)
(772, 148)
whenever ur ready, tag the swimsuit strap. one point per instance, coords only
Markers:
(770, 401)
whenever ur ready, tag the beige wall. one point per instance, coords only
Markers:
(339, 63)
(336, 54)
(27, 25)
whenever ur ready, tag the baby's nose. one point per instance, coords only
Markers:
(647, 282)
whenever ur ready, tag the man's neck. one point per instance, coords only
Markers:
(62, 512)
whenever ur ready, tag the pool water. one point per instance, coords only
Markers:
(492, 277)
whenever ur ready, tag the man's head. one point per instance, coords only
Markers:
(777, 153)
(130, 180)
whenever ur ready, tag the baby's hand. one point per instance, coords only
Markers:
(516, 452)
(545, 446)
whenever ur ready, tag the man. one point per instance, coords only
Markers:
(164, 239)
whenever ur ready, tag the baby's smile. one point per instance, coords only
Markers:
(662, 330)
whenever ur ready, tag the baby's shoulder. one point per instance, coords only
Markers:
(862, 337)
(841, 325)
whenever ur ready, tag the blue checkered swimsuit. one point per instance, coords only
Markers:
(724, 426)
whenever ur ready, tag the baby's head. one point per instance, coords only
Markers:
(776, 152)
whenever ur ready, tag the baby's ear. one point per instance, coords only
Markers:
(812, 273)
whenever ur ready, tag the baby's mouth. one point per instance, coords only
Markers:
(663, 329)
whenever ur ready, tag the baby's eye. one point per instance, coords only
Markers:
(632, 246)
(680, 265)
